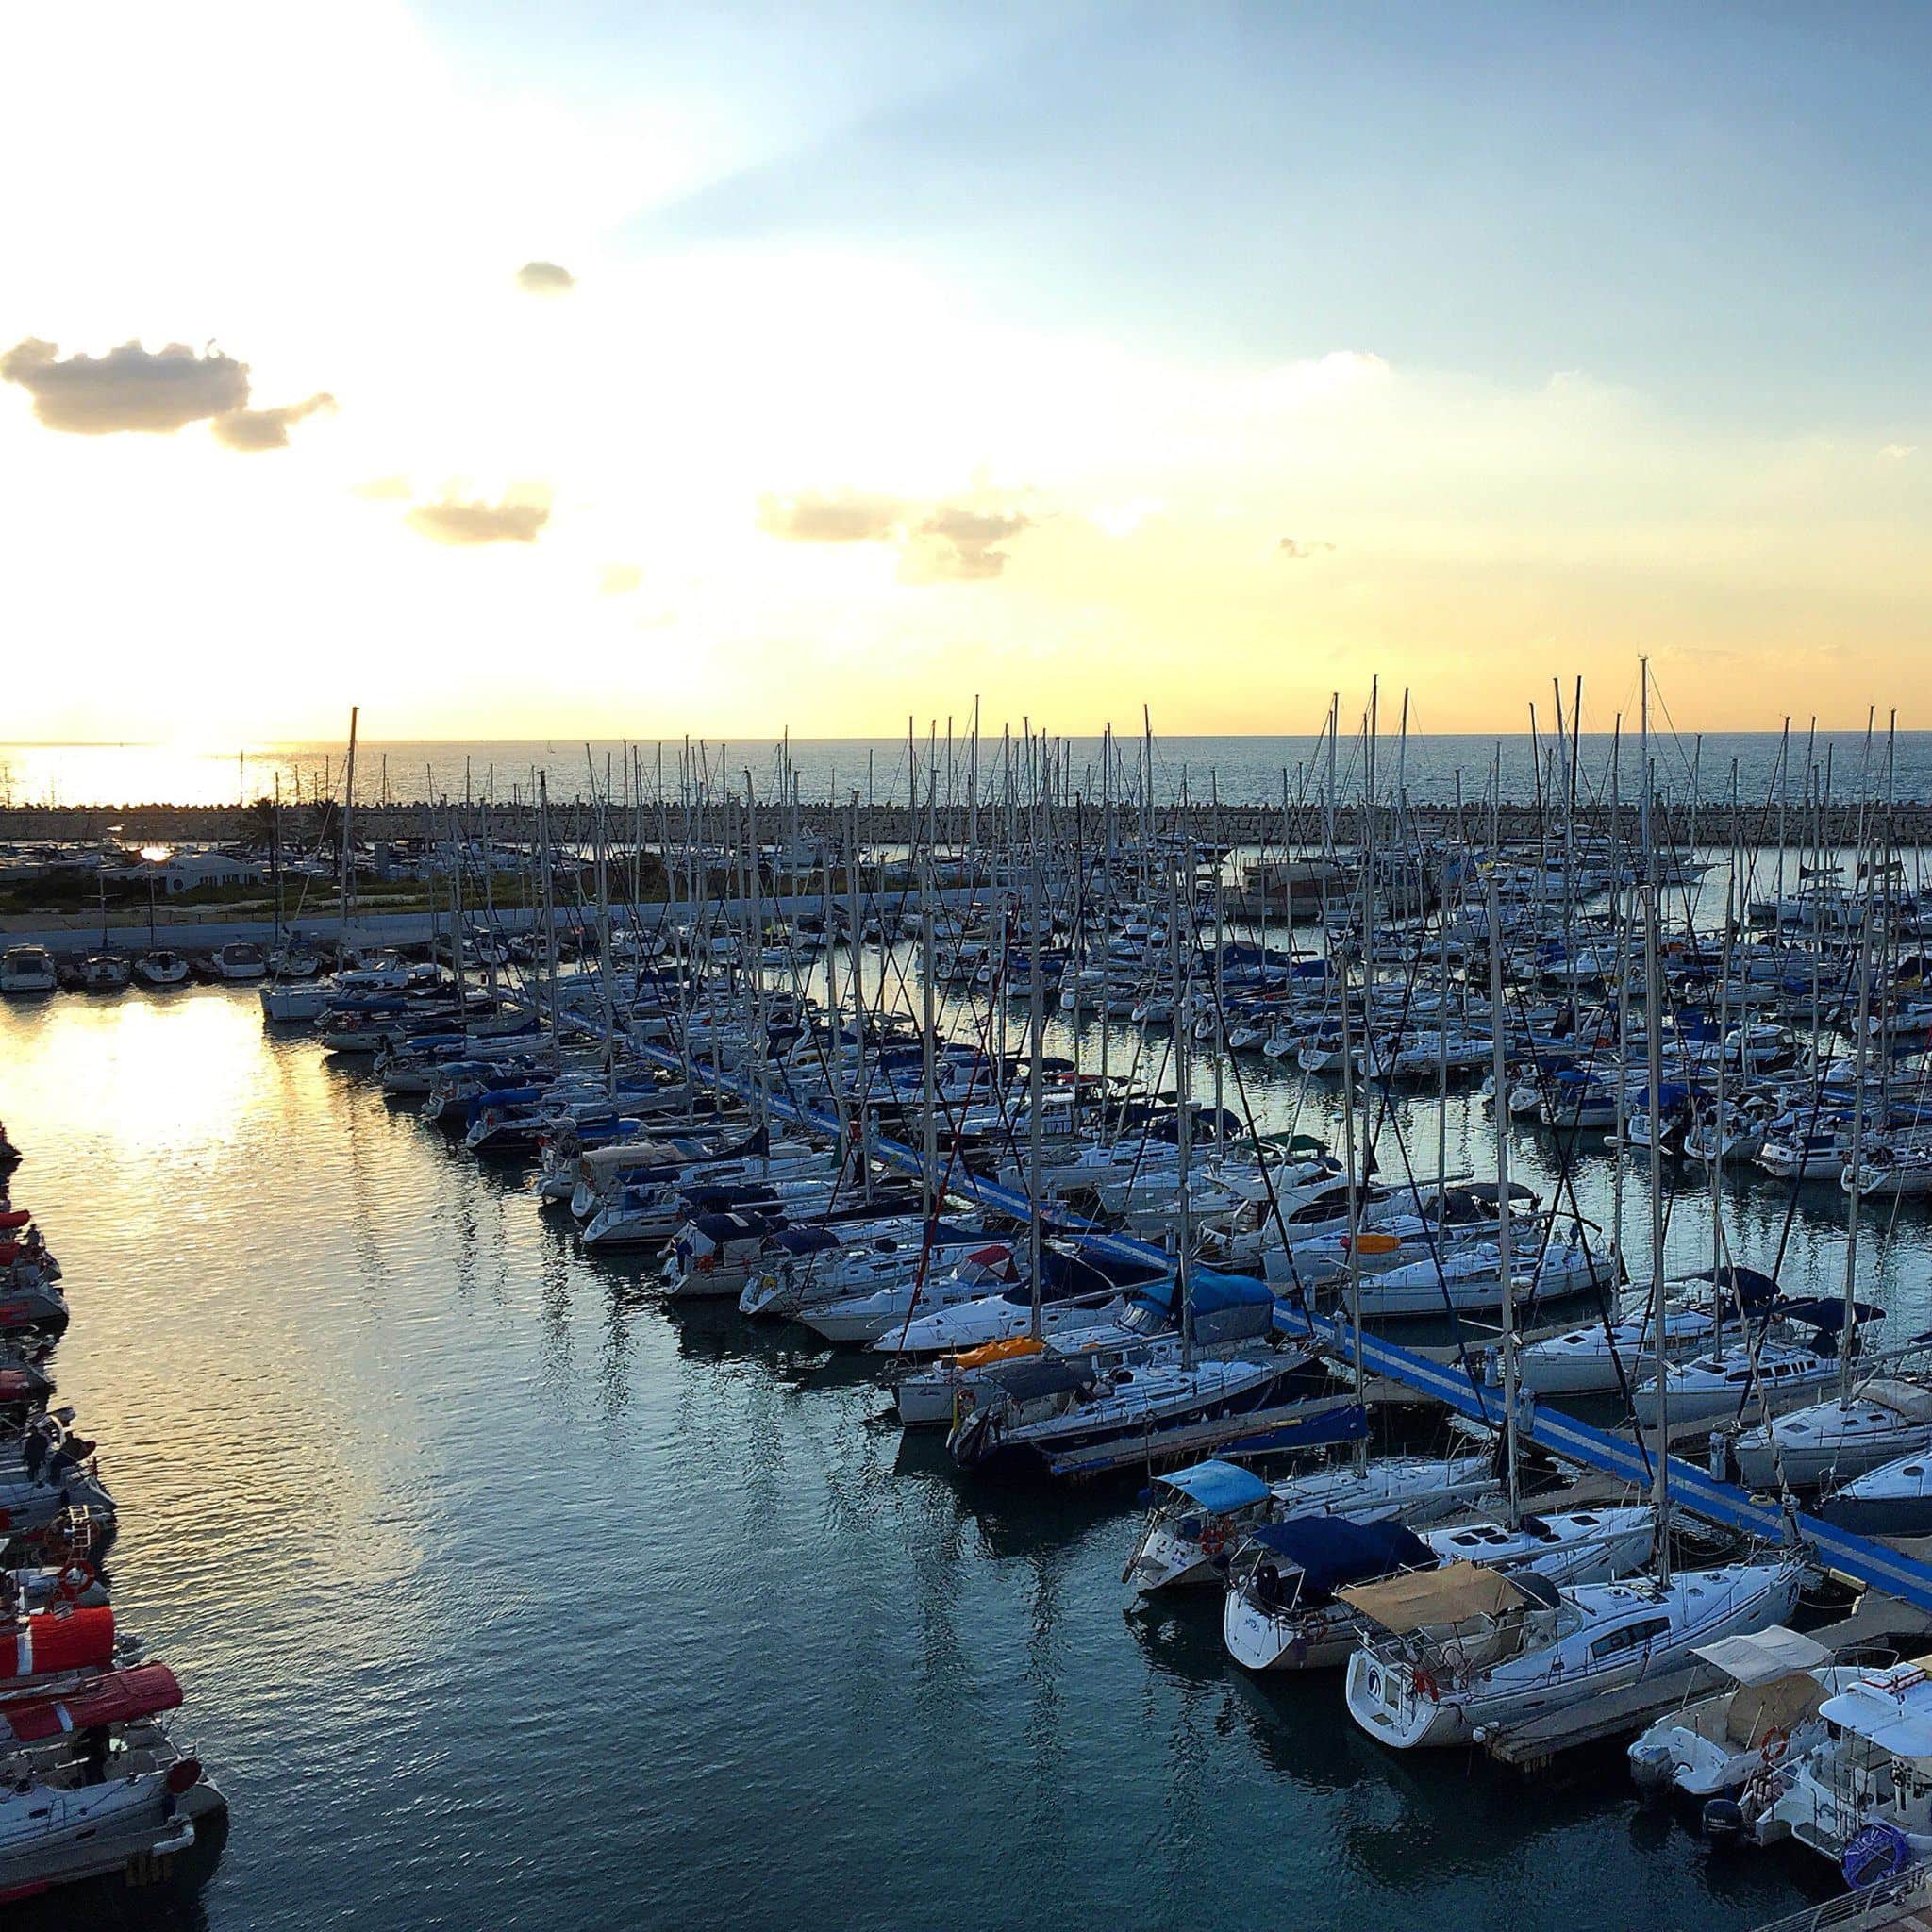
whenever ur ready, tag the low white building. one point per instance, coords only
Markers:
(187, 870)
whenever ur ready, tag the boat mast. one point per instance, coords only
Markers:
(1499, 1065)
(549, 906)
(348, 879)
(1862, 1037)
(1184, 1125)
(274, 870)
(1652, 1042)
(857, 976)
(605, 973)
(1620, 903)
(928, 1025)
(1035, 1028)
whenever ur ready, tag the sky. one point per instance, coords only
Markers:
(517, 372)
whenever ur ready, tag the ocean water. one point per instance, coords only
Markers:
(1236, 770)
(507, 1596)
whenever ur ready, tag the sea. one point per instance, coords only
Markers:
(1756, 766)
(506, 1594)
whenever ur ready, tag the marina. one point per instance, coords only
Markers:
(966, 968)
(968, 1121)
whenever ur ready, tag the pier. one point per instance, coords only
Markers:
(1863, 1561)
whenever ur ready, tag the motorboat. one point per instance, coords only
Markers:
(1862, 1796)
(940, 1277)
(816, 1268)
(104, 972)
(25, 969)
(1023, 1415)
(1081, 1285)
(1714, 1746)
(240, 960)
(92, 1787)
(161, 967)
(1200, 1515)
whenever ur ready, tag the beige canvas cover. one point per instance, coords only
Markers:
(1422, 1597)
(1757, 1709)
(1762, 1655)
(628, 1154)
(1905, 1399)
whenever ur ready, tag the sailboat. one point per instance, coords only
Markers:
(1466, 1648)
(1288, 1607)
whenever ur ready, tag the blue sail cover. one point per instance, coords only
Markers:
(1827, 1317)
(1672, 1093)
(1091, 1270)
(1219, 1486)
(1332, 1553)
(1207, 1295)
(1750, 1286)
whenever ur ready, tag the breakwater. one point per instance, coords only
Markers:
(1419, 824)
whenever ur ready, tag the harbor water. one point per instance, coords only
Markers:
(505, 1594)
(1433, 767)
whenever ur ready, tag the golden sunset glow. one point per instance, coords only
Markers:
(541, 432)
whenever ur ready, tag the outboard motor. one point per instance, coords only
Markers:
(973, 1437)
(1651, 1768)
(1722, 1820)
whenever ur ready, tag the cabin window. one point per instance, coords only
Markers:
(1631, 1636)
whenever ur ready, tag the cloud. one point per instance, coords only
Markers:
(1298, 552)
(545, 278)
(129, 388)
(1898, 452)
(453, 521)
(957, 545)
(971, 528)
(383, 490)
(942, 543)
(256, 429)
(619, 579)
(818, 518)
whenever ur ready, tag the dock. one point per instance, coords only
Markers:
(1862, 1562)
(1290, 1425)
(1873, 1621)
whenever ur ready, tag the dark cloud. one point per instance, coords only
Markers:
(453, 522)
(848, 519)
(129, 388)
(254, 429)
(972, 529)
(1297, 552)
(545, 278)
(956, 545)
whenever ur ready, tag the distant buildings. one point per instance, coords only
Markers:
(187, 870)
